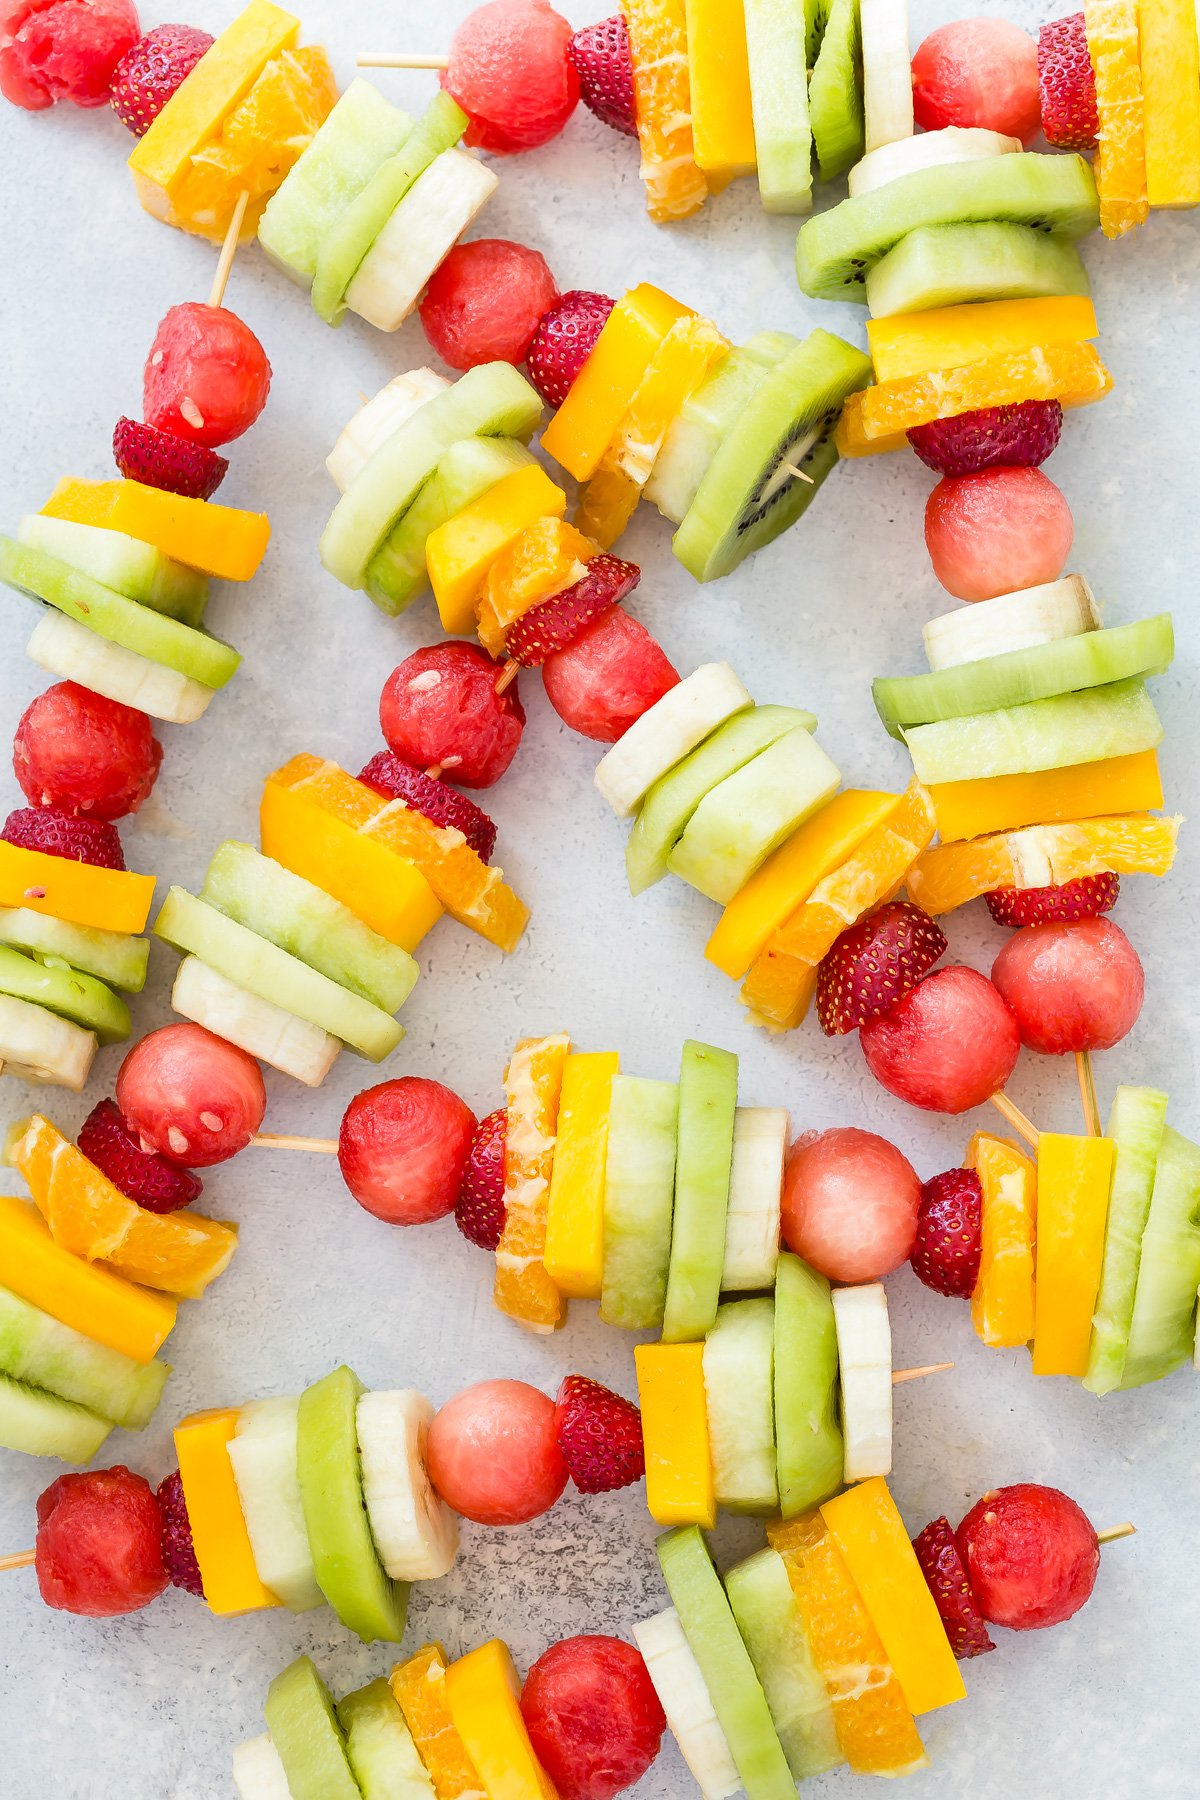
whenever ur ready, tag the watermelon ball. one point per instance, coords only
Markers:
(99, 1544)
(403, 1147)
(593, 1717)
(190, 1096)
(850, 1203)
(485, 302)
(54, 50)
(978, 72)
(1031, 1556)
(950, 1045)
(493, 1453)
(997, 531)
(511, 73)
(207, 376)
(608, 677)
(85, 754)
(440, 708)
(1072, 986)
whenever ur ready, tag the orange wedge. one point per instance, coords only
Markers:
(547, 557)
(533, 1086)
(470, 891)
(176, 1253)
(874, 1725)
(1043, 856)
(675, 187)
(1002, 1304)
(1119, 784)
(80, 893)
(420, 1689)
(1114, 46)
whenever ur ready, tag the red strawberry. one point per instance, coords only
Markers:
(558, 622)
(1082, 899)
(158, 1185)
(604, 65)
(444, 805)
(179, 1552)
(599, 1435)
(160, 459)
(57, 833)
(943, 1570)
(480, 1213)
(1067, 84)
(949, 1239)
(563, 341)
(147, 76)
(1021, 436)
(873, 965)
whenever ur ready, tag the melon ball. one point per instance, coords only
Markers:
(850, 1204)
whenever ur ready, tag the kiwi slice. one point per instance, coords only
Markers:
(944, 265)
(816, 18)
(41, 1424)
(836, 250)
(305, 1731)
(63, 990)
(807, 1434)
(695, 437)
(1136, 1121)
(748, 496)
(835, 93)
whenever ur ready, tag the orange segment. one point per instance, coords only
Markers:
(778, 991)
(1043, 856)
(589, 418)
(1002, 1304)
(874, 1726)
(470, 891)
(1072, 373)
(1114, 46)
(547, 557)
(176, 1253)
(948, 337)
(533, 1087)
(217, 540)
(420, 1689)
(1119, 784)
(80, 893)
(675, 186)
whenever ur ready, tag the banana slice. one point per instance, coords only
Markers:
(277, 1037)
(415, 1533)
(864, 1340)
(1036, 615)
(378, 419)
(684, 1697)
(683, 718)
(36, 1045)
(931, 150)
(418, 237)
(887, 72)
(69, 650)
(760, 1135)
(258, 1774)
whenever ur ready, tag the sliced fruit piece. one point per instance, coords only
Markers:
(931, 150)
(257, 1771)
(836, 250)
(348, 1570)
(944, 264)
(42, 1424)
(1162, 1329)
(262, 1454)
(764, 1606)
(760, 1140)
(675, 1432)
(574, 1254)
(685, 716)
(675, 186)
(947, 337)
(307, 1736)
(112, 900)
(419, 1686)
(738, 1387)
(696, 433)
(379, 1746)
(74, 652)
(415, 1533)
(223, 1551)
(81, 999)
(835, 92)
(124, 563)
(1073, 1183)
(779, 106)
(377, 419)
(215, 540)
(719, 84)
(1116, 719)
(1170, 65)
(37, 1046)
(887, 72)
(459, 553)
(638, 1201)
(808, 1436)
(441, 204)
(259, 1027)
(750, 494)
(1002, 1304)
(532, 1085)
(549, 557)
(1114, 46)
(1038, 615)
(85, 1297)
(39, 1351)
(113, 957)
(1042, 856)
(684, 1697)
(864, 1342)
(708, 1080)
(1136, 1122)
(483, 1693)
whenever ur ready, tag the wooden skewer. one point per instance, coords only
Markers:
(508, 674)
(1016, 1118)
(22, 1560)
(1087, 1093)
(229, 250)
(399, 59)
(797, 474)
(272, 1140)
(899, 1375)
(1110, 1536)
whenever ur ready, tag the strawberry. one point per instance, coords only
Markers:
(179, 1552)
(442, 804)
(950, 1586)
(1067, 84)
(148, 74)
(603, 62)
(565, 338)
(558, 622)
(1082, 899)
(57, 833)
(873, 965)
(480, 1212)
(949, 1239)
(1020, 436)
(158, 1185)
(160, 459)
(599, 1435)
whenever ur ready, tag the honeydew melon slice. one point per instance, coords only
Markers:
(930, 150)
(139, 571)
(760, 1138)
(42, 1424)
(738, 1358)
(684, 716)
(707, 414)
(262, 1453)
(442, 203)
(258, 1773)
(1135, 1126)
(36, 1045)
(808, 1437)
(776, 54)
(639, 1190)
(764, 1606)
(945, 265)
(376, 420)
(1163, 1328)
(380, 1748)
(111, 956)
(708, 1080)
(62, 990)
(74, 653)
(259, 1027)
(40, 1352)
(307, 1737)
(1020, 621)
(1115, 720)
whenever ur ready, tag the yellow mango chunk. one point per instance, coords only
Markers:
(459, 553)
(532, 1088)
(1002, 1304)
(89, 1298)
(574, 1255)
(871, 1536)
(198, 108)
(679, 1478)
(946, 337)
(217, 540)
(590, 417)
(80, 893)
(1074, 1176)
(1171, 99)
(419, 1686)
(483, 1693)
(719, 68)
(1119, 784)
(219, 1535)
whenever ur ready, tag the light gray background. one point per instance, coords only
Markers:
(147, 1708)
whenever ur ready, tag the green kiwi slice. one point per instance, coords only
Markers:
(944, 265)
(835, 94)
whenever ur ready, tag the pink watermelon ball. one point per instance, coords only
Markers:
(511, 73)
(485, 302)
(190, 1096)
(403, 1147)
(850, 1204)
(54, 50)
(608, 676)
(997, 531)
(593, 1716)
(1074, 986)
(950, 1045)
(493, 1453)
(978, 72)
